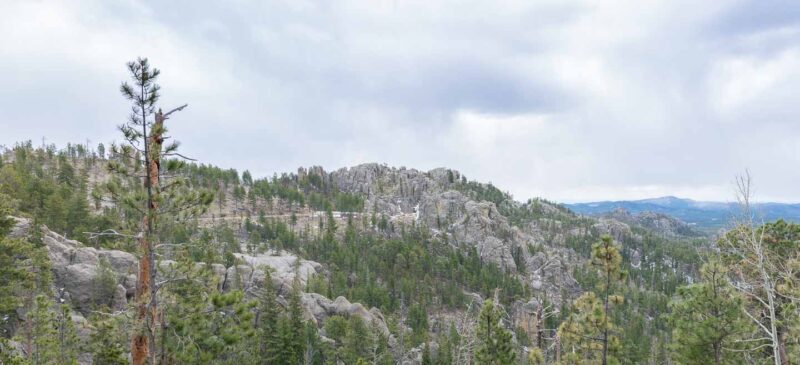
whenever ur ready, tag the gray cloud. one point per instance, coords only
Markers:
(566, 100)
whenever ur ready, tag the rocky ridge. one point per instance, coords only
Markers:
(653, 221)
(437, 199)
(75, 269)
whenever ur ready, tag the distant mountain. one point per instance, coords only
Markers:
(702, 215)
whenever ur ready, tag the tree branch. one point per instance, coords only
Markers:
(175, 110)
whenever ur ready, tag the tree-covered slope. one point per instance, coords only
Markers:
(419, 247)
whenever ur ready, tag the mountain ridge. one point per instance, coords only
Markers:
(704, 215)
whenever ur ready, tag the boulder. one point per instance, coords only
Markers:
(284, 266)
(74, 269)
(320, 308)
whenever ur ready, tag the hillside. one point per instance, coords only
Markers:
(413, 252)
(702, 215)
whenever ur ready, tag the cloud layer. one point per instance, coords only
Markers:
(569, 100)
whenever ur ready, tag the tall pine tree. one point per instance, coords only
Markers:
(268, 341)
(588, 335)
(494, 341)
(156, 193)
(707, 321)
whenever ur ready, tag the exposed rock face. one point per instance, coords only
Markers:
(284, 266)
(480, 225)
(388, 190)
(485, 228)
(614, 228)
(431, 200)
(249, 276)
(414, 355)
(656, 222)
(429, 197)
(550, 272)
(473, 224)
(527, 316)
(75, 268)
(319, 308)
(21, 227)
(440, 211)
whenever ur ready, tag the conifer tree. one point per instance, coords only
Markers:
(202, 324)
(588, 333)
(44, 349)
(13, 274)
(104, 284)
(707, 320)
(156, 193)
(335, 328)
(607, 259)
(315, 351)
(357, 341)
(285, 350)
(267, 322)
(106, 343)
(535, 356)
(296, 323)
(494, 341)
(53, 338)
(67, 338)
(426, 355)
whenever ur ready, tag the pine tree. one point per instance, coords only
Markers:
(13, 274)
(581, 334)
(53, 336)
(104, 284)
(535, 356)
(68, 344)
(447, 344)
(418, 321)
(105, 343)
(161, 194)
(426, 355)
(356, 343)
(268, 312)
(330, 227)
(296, 323)
(494, 341)
(203, 325)
(707, 321)
(335, 328)
(607, 259)
(588, 333)
(285, 351)
(315, 351)
(43, 347)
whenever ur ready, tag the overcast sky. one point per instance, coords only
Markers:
(567, 100)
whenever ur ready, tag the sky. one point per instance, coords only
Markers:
(567, 100)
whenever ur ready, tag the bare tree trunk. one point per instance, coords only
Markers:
(753, 253)
(605, 312)
(540, 325)
(143, 346)
(782, 347)
(776, 351)
(558, 349)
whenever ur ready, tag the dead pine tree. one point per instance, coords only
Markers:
(764, 270)
(149, 187)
